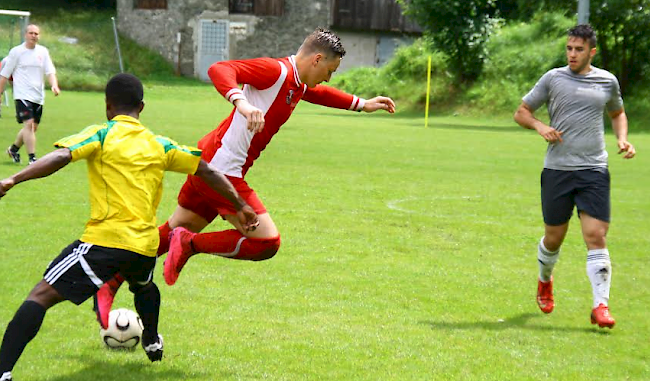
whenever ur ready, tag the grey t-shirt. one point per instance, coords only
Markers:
(575, 104)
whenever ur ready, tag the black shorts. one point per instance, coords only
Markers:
(26, 110)
(82, 268)
(586, 189)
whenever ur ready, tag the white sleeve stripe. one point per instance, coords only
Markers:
(353, 106)
(232, 92)
(235, 97)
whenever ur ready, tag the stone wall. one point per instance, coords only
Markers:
(250, 36)
(158, 29)
(282, 36)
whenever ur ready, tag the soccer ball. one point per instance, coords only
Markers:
(124, 329)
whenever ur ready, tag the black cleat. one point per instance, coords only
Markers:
(154, 351)
(15, 156)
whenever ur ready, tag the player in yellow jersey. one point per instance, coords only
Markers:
(126, 164)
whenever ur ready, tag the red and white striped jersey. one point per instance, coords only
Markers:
(273, 86)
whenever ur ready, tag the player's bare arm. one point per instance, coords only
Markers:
(3, 83)
(221, 184)
(43, 167)
(619, 125)
(254, 116)
(54, 83)
(379, 103)
(525, 117)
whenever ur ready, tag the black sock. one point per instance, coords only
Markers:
(32, 156)
(147, 303)
(20, 331)
(14, 148)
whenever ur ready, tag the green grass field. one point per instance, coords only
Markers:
(408, 254)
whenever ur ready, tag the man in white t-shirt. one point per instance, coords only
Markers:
(28, 63)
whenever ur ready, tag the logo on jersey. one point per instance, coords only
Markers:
(290, 97)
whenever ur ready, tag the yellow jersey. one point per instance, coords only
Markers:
(126, 165)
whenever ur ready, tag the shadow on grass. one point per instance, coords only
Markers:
(516, 322)
(144, 370)
(432, 124)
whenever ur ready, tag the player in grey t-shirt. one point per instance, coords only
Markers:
(575, 168)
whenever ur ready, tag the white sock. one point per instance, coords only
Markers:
(5, 376)
(547, 260)
(599, 270)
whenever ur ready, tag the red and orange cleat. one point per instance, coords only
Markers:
(180, 250)
(545, 296)
(600, 315)
(103, 299)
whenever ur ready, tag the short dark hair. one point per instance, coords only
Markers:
(584, 31)
(323, 40)
(124, 91)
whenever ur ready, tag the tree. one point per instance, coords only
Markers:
(458, 28)
(622, 27)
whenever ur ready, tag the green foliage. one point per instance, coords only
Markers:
(92, 60)
(623, 27)
(519, 54)
(403, 77)
(457, 28)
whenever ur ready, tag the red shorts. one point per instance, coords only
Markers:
(198, 197)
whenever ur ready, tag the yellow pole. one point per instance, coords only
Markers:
(426, 107)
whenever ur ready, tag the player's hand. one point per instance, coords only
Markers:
(550, 134)
(248, 218)
(627, 147)
(379, 103)
(56, 90)
(254, 116)
(5, 185)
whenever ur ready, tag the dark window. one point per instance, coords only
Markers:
(257, 7)
(150, 4)
(241, 6)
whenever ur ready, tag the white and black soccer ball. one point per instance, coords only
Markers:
(124, 329)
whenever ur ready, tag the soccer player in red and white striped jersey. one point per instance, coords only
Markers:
(271, 90)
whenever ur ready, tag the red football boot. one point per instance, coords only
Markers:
(180, 250)
(600, 315)
(545, 296)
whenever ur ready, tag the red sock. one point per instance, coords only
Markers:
(164, 231)
(115, 282)
(233, 244)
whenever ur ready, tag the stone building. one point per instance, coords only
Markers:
(192, 34)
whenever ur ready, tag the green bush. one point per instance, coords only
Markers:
(403, 78)
(519, 54)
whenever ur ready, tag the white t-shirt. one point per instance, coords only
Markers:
(28, 68)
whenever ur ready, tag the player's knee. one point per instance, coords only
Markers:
(266, 248)
(270, 248)
(595, 239)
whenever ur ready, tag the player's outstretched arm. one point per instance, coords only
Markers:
(379, 103)
(223, 186)
(42, 167)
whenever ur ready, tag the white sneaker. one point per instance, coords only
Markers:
(6, 376)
